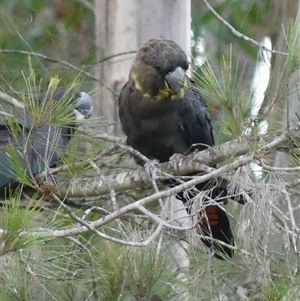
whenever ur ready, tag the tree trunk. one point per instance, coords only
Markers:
(286, 111)
(123, 26)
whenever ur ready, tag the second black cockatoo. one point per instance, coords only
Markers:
(31, 139)
(162, 114)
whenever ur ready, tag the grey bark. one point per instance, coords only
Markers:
(122, 26)
(289, 104)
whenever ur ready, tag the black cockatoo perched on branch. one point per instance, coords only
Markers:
(33, 135)
(162, 114)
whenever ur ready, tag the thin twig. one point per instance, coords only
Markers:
(101, 135)
(111, 192)
(55, 170)
(239, 34)
(8, 84)
(6, 114)
(87, 4)
(272, 168)
(89, 226)
(54, 60)
(9, 99)
(292, 218)
(113, 56)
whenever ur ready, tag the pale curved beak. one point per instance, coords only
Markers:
(84, 107)
(175, 79)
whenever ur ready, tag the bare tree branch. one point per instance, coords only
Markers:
(50, 59)
(6, 114)
(113, 56)
(239, 34)
(178, 165)
(279, 169)
(87, 4)
(9, 99)
(101, 135)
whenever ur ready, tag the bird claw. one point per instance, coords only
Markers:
(175, 162)
(151, 169)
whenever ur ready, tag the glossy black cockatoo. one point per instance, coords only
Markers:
(29, 144)
(162, 113)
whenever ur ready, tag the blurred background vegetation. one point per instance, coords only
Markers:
(59, 37)
(62, 30)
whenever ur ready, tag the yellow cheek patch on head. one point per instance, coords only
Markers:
(170, 94)
(138, 86)
(136, 82)
(163, 94)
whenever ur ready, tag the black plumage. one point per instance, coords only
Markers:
(35, 142)
(162, 114)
